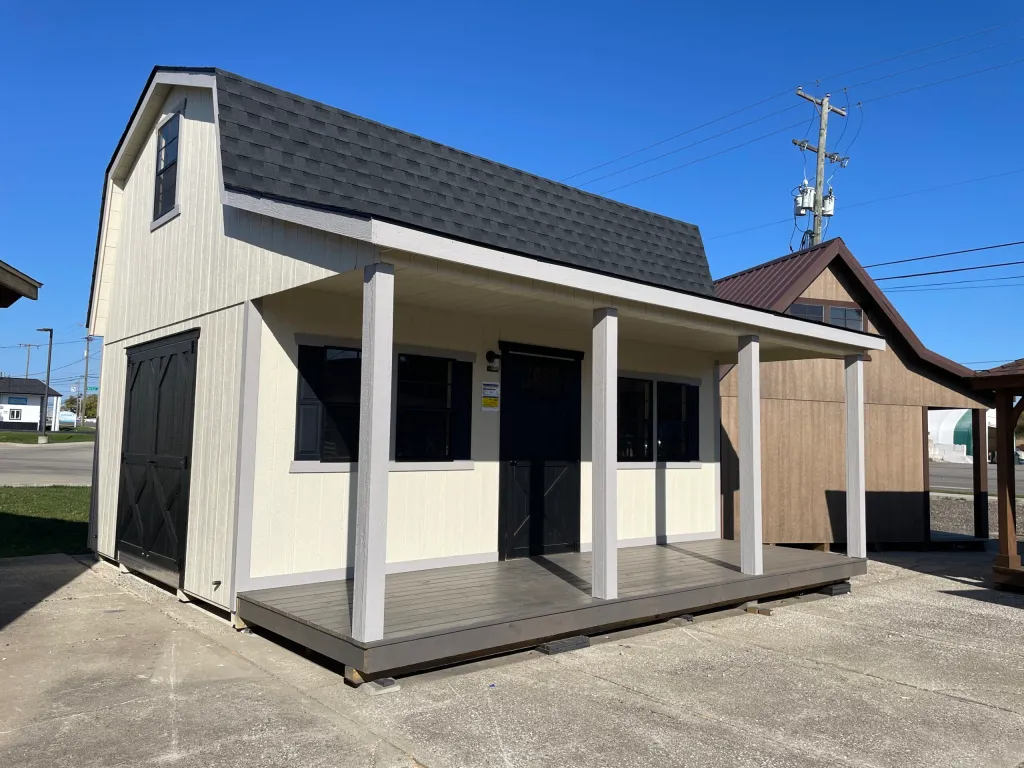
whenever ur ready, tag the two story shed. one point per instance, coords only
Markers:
(403, 404)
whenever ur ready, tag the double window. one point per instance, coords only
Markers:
(658, 420)
(15, 414)
(431, 414)
(165, 193)
(841, 315)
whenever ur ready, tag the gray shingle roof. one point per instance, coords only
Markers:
(14, 386)
(283, 146)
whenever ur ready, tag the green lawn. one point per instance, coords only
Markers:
(43, 520)
(83, 436)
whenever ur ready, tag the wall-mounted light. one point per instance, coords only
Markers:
(493, 361)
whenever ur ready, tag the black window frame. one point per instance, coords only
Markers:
(845, 321)
(688, 419)
(800, 309)
(456, 413)
(166, 176)
(327, 410)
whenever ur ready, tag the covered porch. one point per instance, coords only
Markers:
(386, 560)
(437, 616)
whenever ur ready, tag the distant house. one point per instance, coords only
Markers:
(468, 407)
(15, 285)
(802, 408)
(22, 402)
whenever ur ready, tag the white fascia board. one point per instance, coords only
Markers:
(339, 224)
(160, 80)
(746, 320)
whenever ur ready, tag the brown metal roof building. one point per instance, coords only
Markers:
(802, 408)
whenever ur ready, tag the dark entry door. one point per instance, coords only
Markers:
(539, 507)
(152, 515)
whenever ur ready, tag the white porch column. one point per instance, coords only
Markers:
(856, 504)
(749, 401)
(374, 451)
(604, 388)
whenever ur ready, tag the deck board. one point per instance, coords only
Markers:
(493, 605)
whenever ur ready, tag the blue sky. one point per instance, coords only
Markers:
(555, 88)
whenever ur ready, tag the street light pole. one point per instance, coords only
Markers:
(46, 395)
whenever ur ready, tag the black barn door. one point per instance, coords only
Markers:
(152, 515)
(539, 506)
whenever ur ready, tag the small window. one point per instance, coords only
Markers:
(165, 194)
(636, 420)
(15, 414)
(846, 317)
(327, 414)
(678, 420)
(432, 409)
(807, 312)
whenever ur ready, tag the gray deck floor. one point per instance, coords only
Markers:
(450, 599)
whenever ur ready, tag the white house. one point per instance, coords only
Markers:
(21, 402)
(403, 404)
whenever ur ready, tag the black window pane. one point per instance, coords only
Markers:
(635, 420)
(341, 376)
(169, 130)
(164, 196)
(423, 413)
(808, 311)
(166, 167)
(677, 421)
(340, 438)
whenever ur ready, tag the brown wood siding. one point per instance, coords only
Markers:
(803, 472)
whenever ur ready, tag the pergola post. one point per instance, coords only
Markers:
(374, 453)
(1008, 556)
(604, 384)
(979, 447)
(856, 498)
(749, 402)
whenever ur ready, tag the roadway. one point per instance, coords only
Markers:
(960, 478)
(59, 464)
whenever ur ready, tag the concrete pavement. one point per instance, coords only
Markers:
(57, 464)
(916, 668)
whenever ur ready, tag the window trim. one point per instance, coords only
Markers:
(179, 112)
(654, 378)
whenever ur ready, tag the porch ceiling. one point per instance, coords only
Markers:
(425, 282)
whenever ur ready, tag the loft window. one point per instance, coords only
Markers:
(432, 408)
(807, 312)
(327, 413)
(846, 317)
(165, 194)
(636, 420)
(658, 421)
(678, 421)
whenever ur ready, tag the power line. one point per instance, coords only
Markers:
(61, 367)
(957, 282)
(949, 271)
(948, 253)
(960, 288)
(878, 199)
(702, 159)
(774, 96)
(687, 146)
(37, 346)
(979, 362)
(944, 80)
(935, 63)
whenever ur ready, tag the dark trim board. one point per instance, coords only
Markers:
(530, 602)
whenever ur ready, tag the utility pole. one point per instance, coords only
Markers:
(46, 395)
(28, 357)
(819, 177)
(85, 389)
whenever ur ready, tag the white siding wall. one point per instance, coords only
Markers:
(302, 522)
(194, 271)
(209, 550)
